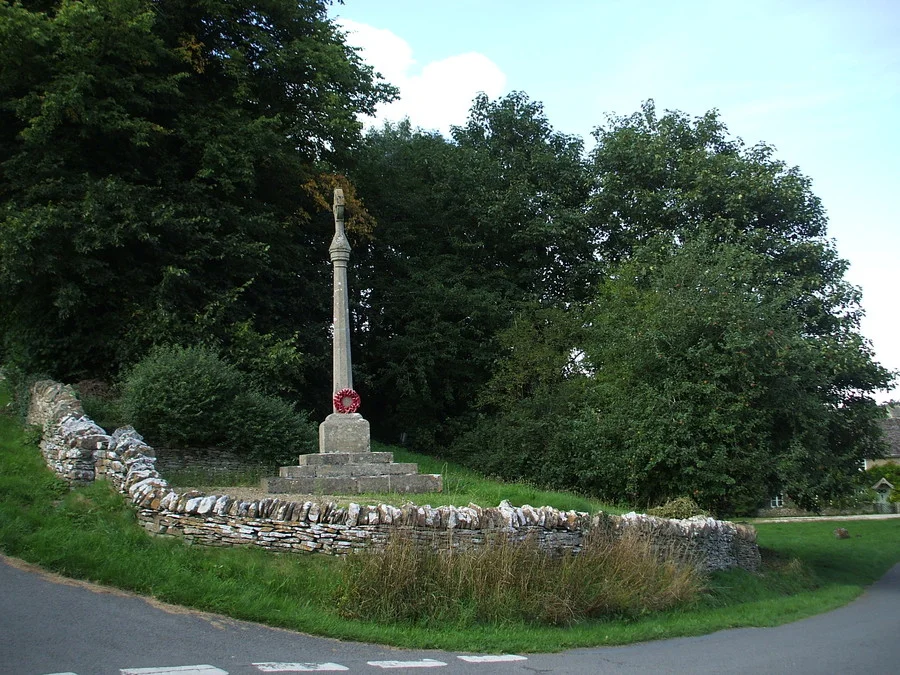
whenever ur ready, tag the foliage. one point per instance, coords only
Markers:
(721, 356)
(20, 383)
(268, 427)
(890, 471)
(680, 508)
(89, 533)
(512, 583)
(191, 396)
(469, 230)
(153, 164)
(706, 377)
(670, 175)
(661, 318)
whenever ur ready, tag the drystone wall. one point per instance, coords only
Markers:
(80, 451)
(210, 461)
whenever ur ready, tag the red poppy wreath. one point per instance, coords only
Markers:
(346, 401)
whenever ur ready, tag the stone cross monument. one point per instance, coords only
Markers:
(345, 463)
(344, 430)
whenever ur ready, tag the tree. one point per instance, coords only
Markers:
(152, 163)
(470, 230)
(703, 372)
(722, 358)
(670, 174)
(672, 179)
(528, 186)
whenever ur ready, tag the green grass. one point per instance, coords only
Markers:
(90, 533)
(463, 486)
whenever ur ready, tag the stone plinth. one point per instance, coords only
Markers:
(351, 473)
(344, 432)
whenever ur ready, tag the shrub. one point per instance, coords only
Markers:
(19, 384)
(508, 582)
(680, 508)
(267, 427)
(182, 395)
(190, 396)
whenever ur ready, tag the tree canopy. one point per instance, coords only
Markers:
(719, 356)
(661, 317)
(156, 159)
(470, 230)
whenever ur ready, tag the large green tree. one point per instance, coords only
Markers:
(719, 358)
(704, 374)
(470, 230)
(153, 158)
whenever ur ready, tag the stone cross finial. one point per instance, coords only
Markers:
(340, 247)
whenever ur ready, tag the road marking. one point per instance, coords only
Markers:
(493, 658)
(300, 667)
(424, 663)
(181, 670)
(53, 673)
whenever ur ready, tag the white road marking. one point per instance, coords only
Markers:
(492, 658)
(56, 673)
(181, 670)
(424, 663)
(300, 667)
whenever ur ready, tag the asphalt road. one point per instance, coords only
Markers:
(53, 625)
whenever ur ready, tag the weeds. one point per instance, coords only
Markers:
(507, 582)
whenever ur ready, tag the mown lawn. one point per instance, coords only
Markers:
(90, 533)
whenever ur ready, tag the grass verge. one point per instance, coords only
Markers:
(89, 533)
(513, 583)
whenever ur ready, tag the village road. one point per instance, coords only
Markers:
(53, 625)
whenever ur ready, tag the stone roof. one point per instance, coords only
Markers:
(891, 429)
(883, 483)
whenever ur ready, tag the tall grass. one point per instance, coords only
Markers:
(507, 582)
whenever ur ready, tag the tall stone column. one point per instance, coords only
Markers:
(342, 431)
(340, 257)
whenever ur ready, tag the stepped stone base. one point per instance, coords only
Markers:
(351, 485)
(351, 473)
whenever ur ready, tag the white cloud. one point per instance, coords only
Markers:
(435, 97)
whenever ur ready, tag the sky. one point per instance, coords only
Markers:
(819, 80)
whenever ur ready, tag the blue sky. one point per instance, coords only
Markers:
(819, 80)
